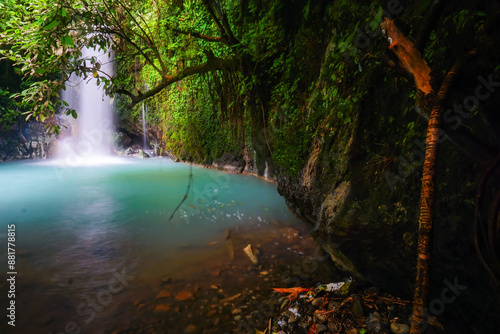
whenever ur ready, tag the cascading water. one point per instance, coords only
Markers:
(144, 133)
(87, 140)
(144, 126)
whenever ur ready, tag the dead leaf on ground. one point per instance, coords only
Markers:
(293, 292)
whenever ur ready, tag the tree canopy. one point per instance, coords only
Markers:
(175, 39)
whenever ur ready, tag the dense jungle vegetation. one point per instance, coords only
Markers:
(314, 89)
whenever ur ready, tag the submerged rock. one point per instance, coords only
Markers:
(184, 295)
(290, 234)
(397, 328)
(191, 329)
(163, 294)
(161, 308)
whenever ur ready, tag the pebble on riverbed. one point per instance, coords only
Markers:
(184, 295)
(239, 297)
(397, 328)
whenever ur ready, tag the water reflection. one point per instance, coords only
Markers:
(78, 238)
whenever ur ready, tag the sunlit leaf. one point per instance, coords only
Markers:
(51, 25)
(313, 330)
(293, 292)
(68, 40)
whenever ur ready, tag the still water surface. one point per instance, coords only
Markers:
(91, 239)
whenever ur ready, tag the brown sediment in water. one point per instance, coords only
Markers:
(237, 296)
(228, 295)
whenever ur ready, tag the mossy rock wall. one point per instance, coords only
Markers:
(359, 185)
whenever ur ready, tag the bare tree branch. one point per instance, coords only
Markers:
(227, 35)
(137, 47)
(145, 37)
(213, 63)
(120, 31)
(429, 23)
(223, 17)
(216, 20)
(200, 36)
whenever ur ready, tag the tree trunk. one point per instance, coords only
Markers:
(425, 221)
(412, 61)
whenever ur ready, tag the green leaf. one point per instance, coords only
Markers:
(74, 114)
(376, 20)
(64, 13)
(67, 40)
(51, 25)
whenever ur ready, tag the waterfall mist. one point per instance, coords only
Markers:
(88, 139)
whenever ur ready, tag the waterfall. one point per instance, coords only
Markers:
(144, 127)
(144, 133)
(87, 139)
(266, 171)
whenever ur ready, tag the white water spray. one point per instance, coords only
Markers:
(143, 127)
(266, 172)
(89, 139)
(144, 134)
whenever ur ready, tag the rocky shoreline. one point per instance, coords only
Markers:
(27, 141)
(31, 141)
(238, 296)
(229, 163)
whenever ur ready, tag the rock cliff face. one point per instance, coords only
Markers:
(368, 236)
(359, 188)
(27, 141)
